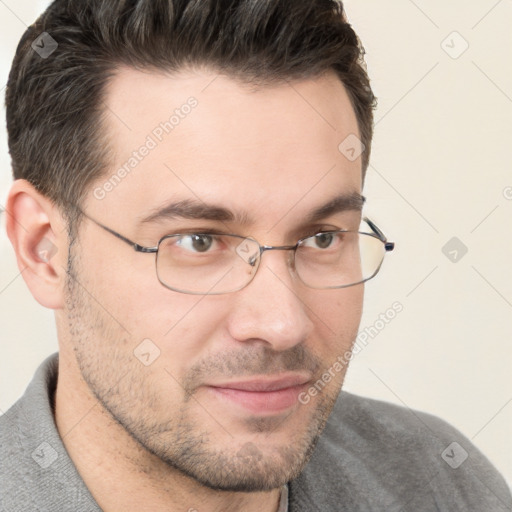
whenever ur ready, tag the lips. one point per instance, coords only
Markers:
(262, 396)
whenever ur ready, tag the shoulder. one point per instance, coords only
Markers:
(36, 472)
(375, 455)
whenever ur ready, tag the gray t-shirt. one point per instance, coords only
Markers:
(372, 456)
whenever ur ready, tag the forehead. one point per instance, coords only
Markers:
(203, 136)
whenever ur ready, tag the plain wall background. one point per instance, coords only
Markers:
(440, 168)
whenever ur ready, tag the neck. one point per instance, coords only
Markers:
(123, 475)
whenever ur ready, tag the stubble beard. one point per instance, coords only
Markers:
(114, 377)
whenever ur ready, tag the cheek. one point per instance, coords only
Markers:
(131, 293)
(184, 327)
(337, 317)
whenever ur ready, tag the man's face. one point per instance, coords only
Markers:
(219, 400)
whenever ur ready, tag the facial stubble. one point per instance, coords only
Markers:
(104, 356)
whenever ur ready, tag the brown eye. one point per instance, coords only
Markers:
(323, 240)
(196, 243)
(201, 243)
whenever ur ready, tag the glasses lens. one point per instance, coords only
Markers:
(338, 259)
(206, 263)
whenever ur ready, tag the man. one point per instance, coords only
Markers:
(188, 199)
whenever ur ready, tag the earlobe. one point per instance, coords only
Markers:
(36, 230)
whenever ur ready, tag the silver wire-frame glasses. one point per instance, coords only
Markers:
(212, 263)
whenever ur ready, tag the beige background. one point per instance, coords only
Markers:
(441, 168)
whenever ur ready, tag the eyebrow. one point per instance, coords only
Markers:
(198, 210)
(344, 202)
(195, 209)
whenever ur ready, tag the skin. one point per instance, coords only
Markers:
(159, 437)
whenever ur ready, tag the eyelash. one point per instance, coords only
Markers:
(322, 229)
(211, 231)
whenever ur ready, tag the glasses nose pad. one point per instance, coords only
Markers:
(253, 259)
(249, 251)
(292, 259)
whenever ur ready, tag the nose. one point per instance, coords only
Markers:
(270, 308)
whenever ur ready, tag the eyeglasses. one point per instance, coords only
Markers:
(207, 263)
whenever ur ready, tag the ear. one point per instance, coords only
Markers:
(38, 234)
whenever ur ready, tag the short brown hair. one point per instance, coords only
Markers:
(54, 102)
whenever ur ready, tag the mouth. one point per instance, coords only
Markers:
(262, 396)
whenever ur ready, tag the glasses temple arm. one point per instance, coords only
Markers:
(389, 246)
(136, 246)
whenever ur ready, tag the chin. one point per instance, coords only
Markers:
(249, 469)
